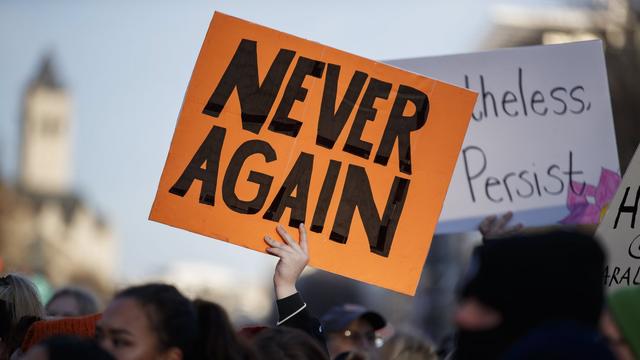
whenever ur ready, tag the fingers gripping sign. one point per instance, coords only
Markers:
(293, 256)
(493, 227)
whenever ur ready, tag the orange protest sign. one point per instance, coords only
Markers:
(278, 129)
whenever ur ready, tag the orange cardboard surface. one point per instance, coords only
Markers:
(279, 129)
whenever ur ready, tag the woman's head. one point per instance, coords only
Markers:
(153, 321)
(217, 338)
(72, 301)
(21, 298)
(283, 343)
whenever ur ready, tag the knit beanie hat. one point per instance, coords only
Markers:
(533, 279)
(79, 326)
(624, 305)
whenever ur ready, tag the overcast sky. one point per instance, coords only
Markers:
(127, 65)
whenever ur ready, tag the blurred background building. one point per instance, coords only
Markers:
(47, 229)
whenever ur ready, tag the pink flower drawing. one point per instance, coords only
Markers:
(587, 203)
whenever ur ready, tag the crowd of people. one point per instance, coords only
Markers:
(524, 296)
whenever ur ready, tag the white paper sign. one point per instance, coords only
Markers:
(620, 230)
(541, 141)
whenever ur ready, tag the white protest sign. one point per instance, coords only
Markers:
(541, 141)
(619, 231)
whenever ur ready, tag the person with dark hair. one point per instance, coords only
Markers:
(216, 337)
(519, 283)
(153, 321)
(72, 301)
(67, 348)
(284, 343)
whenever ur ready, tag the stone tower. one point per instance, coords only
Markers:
(45, 157)
(46, 227)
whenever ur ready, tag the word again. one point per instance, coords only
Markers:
(357, 192)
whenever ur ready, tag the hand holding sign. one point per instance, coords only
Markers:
(493, 227)
(293, 259)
